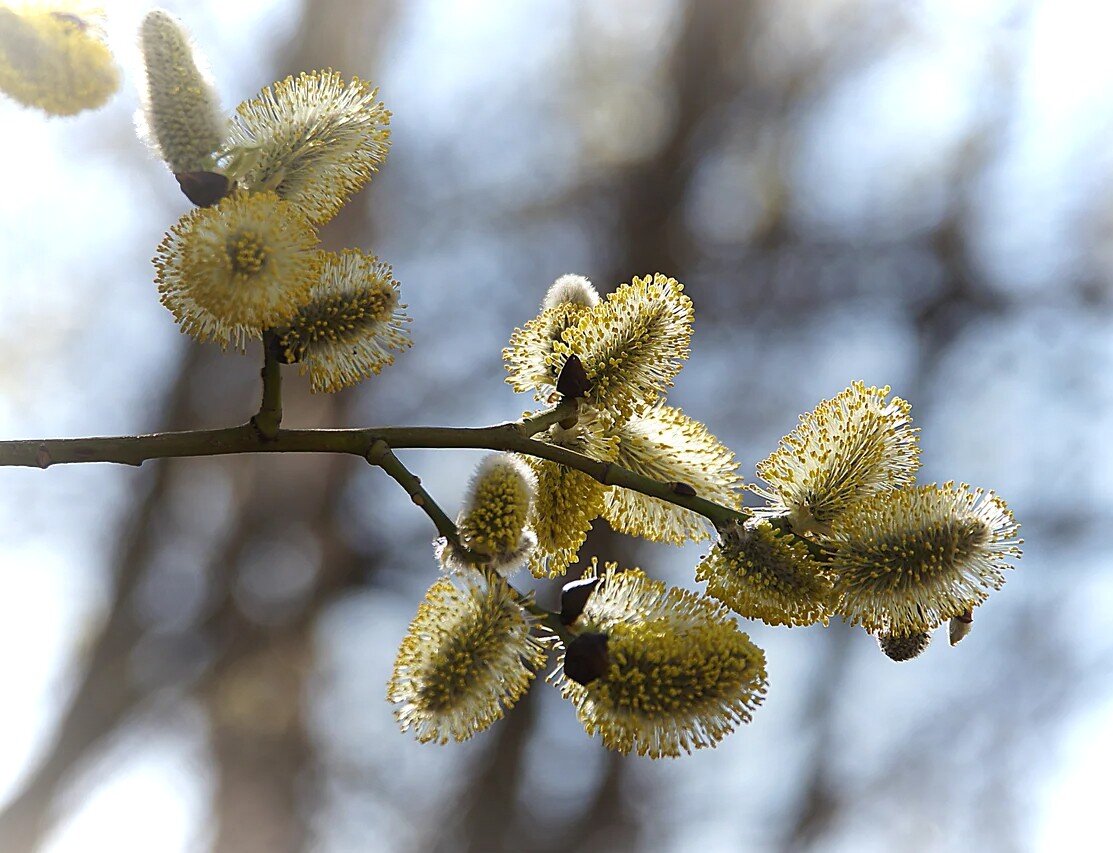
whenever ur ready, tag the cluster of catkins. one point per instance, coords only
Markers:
(843, 530)
(245, 263)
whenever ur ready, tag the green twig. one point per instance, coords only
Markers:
(532, 425)
(134, 450)
(381, 455)
(269, 419)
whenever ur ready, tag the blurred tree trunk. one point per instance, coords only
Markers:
(265, 758)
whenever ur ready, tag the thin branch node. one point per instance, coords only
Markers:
(378, 451)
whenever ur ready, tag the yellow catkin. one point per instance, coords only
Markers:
(531, 359)
(567, 501)
(467, 657)
(762, 574)
(907, 560)
(314, 139)
(55, 59)
(666, 445)
(679, 674)
(493, 522)
(632, 344)
(231, 271)
(352, 324)
(854, 445)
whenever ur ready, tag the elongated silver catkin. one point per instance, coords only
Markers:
(181, 112)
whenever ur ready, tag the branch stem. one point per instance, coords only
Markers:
(136, 449)
(252, 438)
(269, 419)
(380, 454)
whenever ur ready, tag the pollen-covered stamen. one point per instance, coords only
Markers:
(247, 254)
(853, 445)
(632, 344)
(230, 271)
(664, 444)
(55, 60)
(907, 560)
(467, 657)
(181, 117)
(677, 675)
(352, 324)
(315, 139)
(762, 574)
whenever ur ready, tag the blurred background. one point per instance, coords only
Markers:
(194, 654)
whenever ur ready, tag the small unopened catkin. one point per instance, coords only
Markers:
(181, 112)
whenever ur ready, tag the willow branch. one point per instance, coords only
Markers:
(533, 424)
(380, 454)
(513, 437)
(269, 418)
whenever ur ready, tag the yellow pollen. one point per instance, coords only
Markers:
(247, 254)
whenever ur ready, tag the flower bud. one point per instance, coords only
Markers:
(573, 598)
(181, 117)
(585, 658)
(960, 626)
(571, 290)
(902, 647)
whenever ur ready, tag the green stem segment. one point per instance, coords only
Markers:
(564, 411)
(380, 454)
(269, 419)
